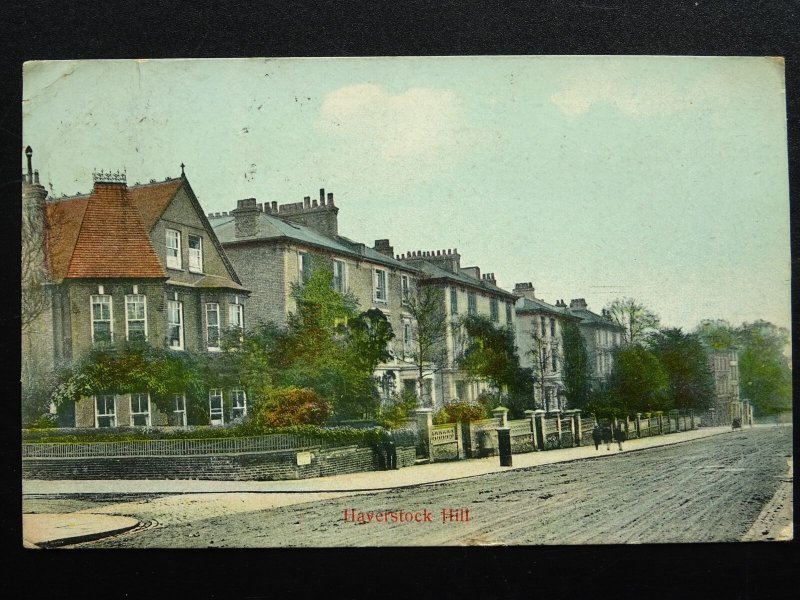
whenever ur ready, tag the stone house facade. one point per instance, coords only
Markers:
(272, 247)
(132, 264)
(540, 344)
(464, 291)
(601, 335)
(724, 366)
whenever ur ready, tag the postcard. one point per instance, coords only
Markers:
(405, 301)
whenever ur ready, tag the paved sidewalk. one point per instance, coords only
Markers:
(47, 530)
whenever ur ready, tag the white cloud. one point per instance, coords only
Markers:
(417, 125)
(648, 95)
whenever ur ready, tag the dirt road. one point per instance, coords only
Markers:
(710, 490)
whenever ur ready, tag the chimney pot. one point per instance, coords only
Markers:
(314, 203)
(322, 195)
(330, 198)
(307, 202)
(275, 206)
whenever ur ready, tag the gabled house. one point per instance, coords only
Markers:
(272, 247)
(539, 328)
(134, 263)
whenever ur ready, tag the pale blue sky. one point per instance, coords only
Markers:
(660, 178)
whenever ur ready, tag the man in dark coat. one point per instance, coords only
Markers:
(389, 450)
(607, 435)
(597, 436)
(619, 434)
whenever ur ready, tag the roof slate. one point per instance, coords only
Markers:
(272, 228)
(527, 305)
(589, 318)
(436, 272)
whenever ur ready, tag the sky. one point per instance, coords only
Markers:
(663, 179)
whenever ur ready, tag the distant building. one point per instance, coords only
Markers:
(273, 247)
(464, 292)
(724, 366)
(540, 345)
(601, 335)
(125, 264)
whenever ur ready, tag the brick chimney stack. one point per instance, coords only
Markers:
(525, 290)
(246, 217)
(319, 215)
(577, 303)
(384, 247)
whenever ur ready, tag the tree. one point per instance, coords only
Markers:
(685, 360)
(329, 347)
(428, 333)
(491, 354)
(638, 382)
(541, 354)
(765, 377)
(636, 320)
(764, 372)
(290, 406)
(576, 367)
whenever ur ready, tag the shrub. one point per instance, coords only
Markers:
(460, 411)
(398, 410)
(284, 407)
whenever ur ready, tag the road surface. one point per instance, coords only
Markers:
(709, 490)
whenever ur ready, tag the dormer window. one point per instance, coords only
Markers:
(173, 249)
(195, 254)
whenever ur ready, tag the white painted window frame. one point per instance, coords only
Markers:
(133, 414)
(195, 254)
(174, 258)
(213, 411)
(238, 403)
(342, 266)
(179, 324)
(99, 415)
(213, 307)
(107, 300)
(130, 298)
(376, 287)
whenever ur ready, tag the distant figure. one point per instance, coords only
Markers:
(607, 435)
(389, 451)
(597, 436)
(736, 424)
(619, 434)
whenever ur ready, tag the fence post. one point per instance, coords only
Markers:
(531, 416)
(574, 425)
(460, 441)
(691, 417)
(638, 425)
(424, 426)
(540, 427)
(501, 414)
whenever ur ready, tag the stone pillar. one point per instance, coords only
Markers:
(531, 416)
(691, 417)
(638, 425)
(424, 427)
(501, 414)
(575, 425)
(538, 416)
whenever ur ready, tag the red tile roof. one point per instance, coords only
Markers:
(152, 199)
(64, 220)
(113, 241)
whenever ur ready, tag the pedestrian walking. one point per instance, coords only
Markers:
(607, 435)
(597, 436)
(619, 434)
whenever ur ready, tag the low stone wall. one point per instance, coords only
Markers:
(253, 466)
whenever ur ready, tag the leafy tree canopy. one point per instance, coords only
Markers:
(685, 360)
(637, 320)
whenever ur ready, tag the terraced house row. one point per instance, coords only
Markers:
(145, 263)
